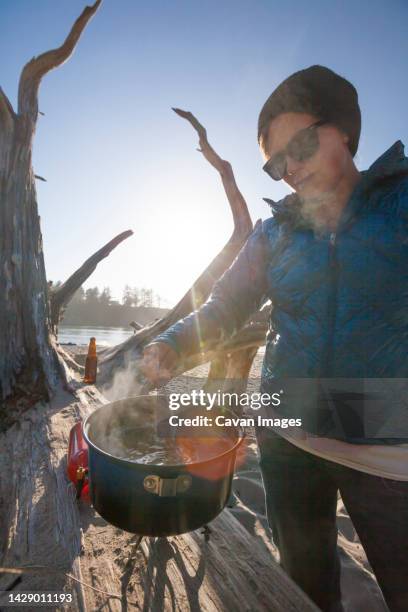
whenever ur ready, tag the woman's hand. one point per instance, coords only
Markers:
(159, 363)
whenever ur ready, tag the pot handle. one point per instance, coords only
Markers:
(167, 487)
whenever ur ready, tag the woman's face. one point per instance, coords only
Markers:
(319, 174)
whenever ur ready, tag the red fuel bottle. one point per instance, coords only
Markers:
(77, 466)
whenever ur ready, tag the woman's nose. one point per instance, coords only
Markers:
(292, 166)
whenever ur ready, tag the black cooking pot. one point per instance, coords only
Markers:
(158, 500)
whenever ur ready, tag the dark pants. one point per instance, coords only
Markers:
(301, 499)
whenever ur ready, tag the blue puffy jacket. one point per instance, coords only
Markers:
(338, 337)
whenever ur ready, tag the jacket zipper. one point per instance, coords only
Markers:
(332, 304)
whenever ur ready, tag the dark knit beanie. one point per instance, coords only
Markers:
(320, 92)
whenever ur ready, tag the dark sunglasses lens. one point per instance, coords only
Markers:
(304, 145)
(276, 167)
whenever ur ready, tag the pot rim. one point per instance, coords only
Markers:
(150, 466)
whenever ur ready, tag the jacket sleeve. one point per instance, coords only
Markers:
(239, 292)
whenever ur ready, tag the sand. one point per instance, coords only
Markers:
(360, 590)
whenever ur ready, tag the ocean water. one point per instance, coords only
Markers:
(105, 336)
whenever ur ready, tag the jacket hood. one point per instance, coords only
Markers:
(392, 163)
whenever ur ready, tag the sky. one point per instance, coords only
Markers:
(116, 157)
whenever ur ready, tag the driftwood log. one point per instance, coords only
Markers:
(48, 542)
(29, 365)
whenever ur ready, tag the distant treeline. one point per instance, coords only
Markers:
(93, 307)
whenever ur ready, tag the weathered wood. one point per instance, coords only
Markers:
(60, 297)
(26, 360)
(41, 524)
(29, 366)
(242, 218)
(135, 325)
(38, 67)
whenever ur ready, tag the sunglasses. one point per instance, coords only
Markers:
(303, 145)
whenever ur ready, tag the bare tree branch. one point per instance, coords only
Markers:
(242, 228)
(61, 296)
(239, 207)
(36, 68)
(135, 325)
(201, 289)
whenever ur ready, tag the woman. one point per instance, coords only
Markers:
(333, 260)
